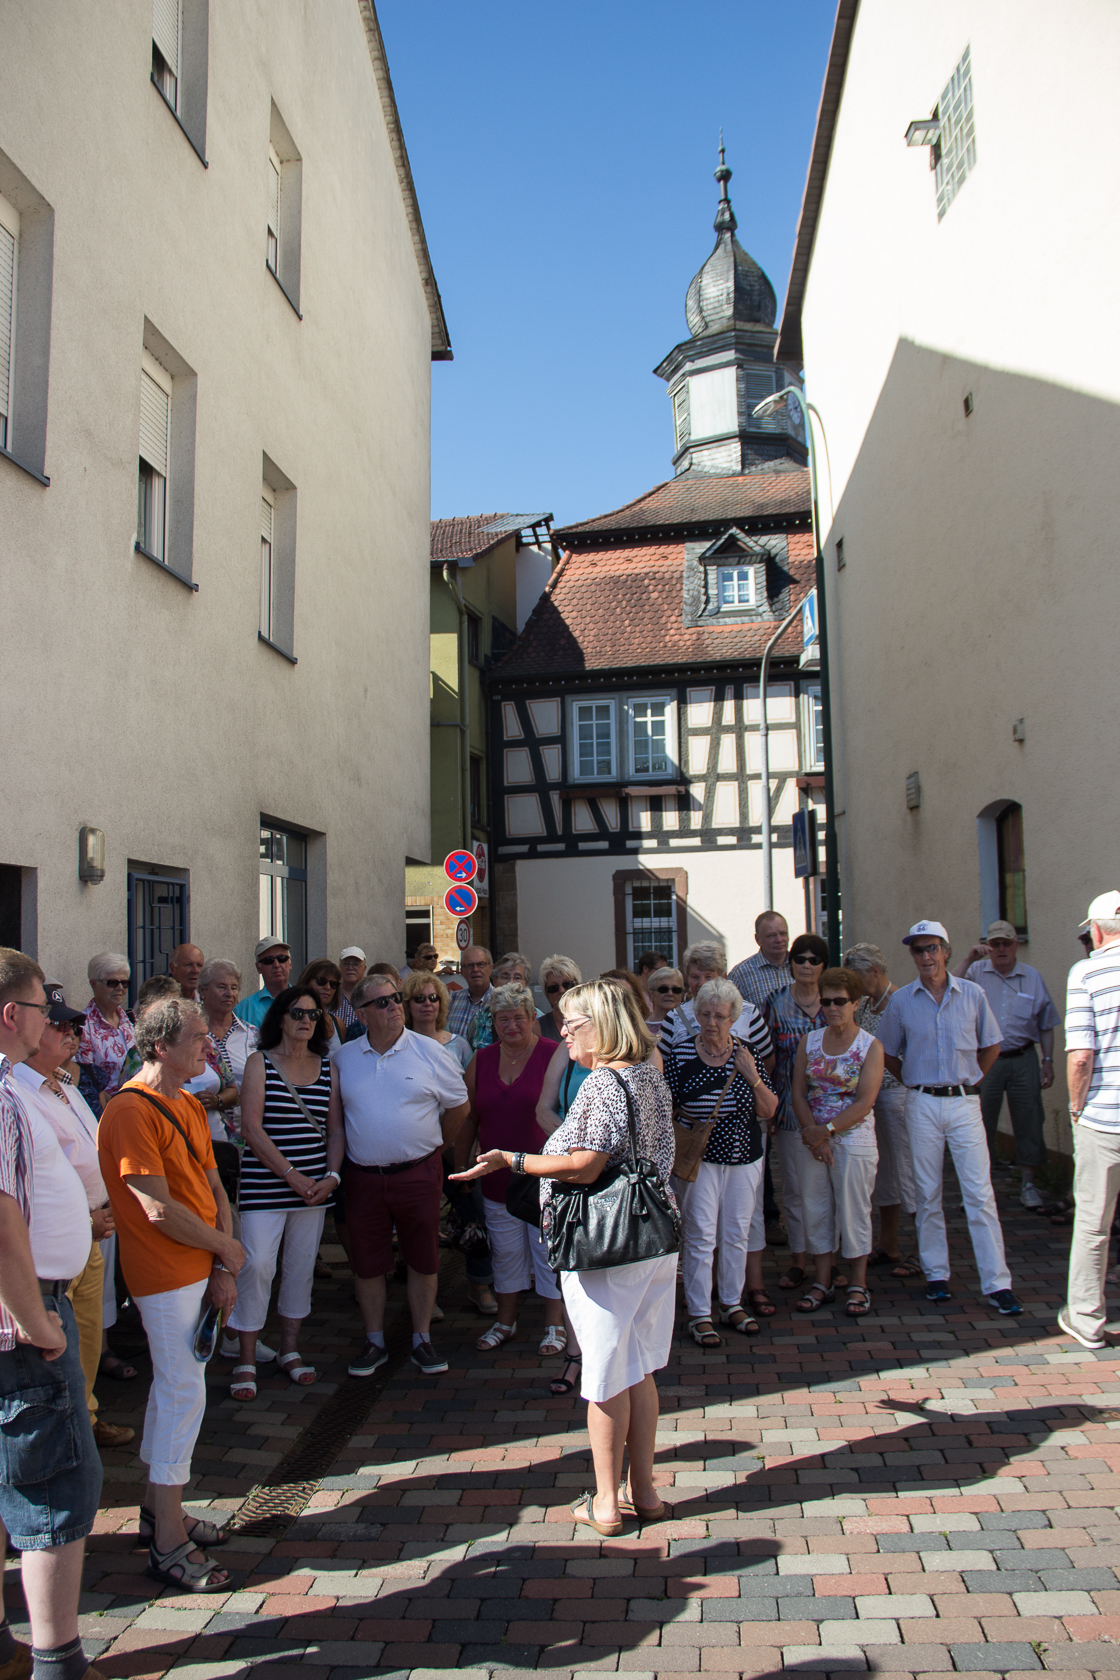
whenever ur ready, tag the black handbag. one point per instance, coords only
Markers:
(627, 1215)
(523, 1198)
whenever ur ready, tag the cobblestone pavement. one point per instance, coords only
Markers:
(927, 1489)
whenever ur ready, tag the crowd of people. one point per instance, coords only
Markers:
(188, 1148)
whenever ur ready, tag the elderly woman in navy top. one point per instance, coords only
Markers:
(723, 1206)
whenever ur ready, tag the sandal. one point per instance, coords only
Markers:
(200, 1530)
(563, 1384)
(119, 1369)
(880, 1257)
(299, 1373)
(761, 1302)
(703, 1333)
(583, 1510)
(741, 1320)
(555, 1340)
(193, 1577)
(795, 1276)
(855, 1307)
(495, 1336)
(644, 1513)
(908, 1267)
(247, 1386)
(815, 1297)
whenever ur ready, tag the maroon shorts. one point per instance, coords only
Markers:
(410, 1200)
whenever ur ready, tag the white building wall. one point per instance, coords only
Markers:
(132, 703)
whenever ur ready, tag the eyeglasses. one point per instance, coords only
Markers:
(305, 1014)
(571, 1026)
(923, 950)
(43, 1008)
(675, 991)
(382, 1002)
(807, 957)
(272, 962)
(424, 998)
(65, 1027)
(559, 986)
(468, 966)
(834, 1003)
(116, 985)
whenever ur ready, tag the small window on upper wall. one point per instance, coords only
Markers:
(155, 455)
(814, 730)
(272, 248)
(594, 742)
(737, 586)
(9, 249)
(649, 737)
(1012, 868)
(267, 585)
(283, 216)
(474, 639)
(167, 25)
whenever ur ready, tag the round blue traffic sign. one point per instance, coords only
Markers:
(460, 866)
(460, 901)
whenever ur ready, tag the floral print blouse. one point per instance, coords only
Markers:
(101, 1054)
(831, 1087)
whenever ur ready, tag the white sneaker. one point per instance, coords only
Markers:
(1030, 1198)
(1086, 1341)
(231, 1349)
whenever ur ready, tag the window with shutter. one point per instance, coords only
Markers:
(273, 248)
(7, 317)
(266, 568)
(165, 48)
(155, 436)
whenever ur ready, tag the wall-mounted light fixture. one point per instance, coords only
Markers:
(91, 855)
(913, 791)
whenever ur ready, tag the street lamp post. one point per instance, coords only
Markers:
(831, 861)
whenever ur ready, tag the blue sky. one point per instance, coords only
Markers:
(563, 155)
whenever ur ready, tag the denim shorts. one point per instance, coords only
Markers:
(50, 1468)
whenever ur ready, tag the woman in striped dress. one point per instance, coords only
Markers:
(284, 1179)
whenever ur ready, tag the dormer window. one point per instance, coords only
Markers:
(737, 586)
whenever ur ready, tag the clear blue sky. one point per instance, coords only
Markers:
(563, 155)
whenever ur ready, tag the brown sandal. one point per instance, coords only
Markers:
(761, 1302)
(793, 1278)
(583, 1510)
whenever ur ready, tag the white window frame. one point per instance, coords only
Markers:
(576, 705)
(750, 568)
(622, 736)
(152, 532)
(9, 222)
(163, 28)
(268, 523)
(672, 754)
(275, 192)
(812, 710)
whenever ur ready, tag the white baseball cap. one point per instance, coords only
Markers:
(921, 928)
(270, 944)
(353, 951)
(1104, 908)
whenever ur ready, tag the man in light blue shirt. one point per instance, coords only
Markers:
(940, 1037)
(274, 965)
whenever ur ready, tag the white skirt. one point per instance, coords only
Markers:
(623, 1319)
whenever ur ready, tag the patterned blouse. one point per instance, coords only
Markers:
(788, 1025)
(831, 1083)
(736, 1136)
(597, 1120)
(101, 1054)
(869, 1018)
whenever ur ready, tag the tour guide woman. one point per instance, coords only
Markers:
(623, 1315)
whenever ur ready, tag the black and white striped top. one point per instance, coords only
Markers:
(736, 1137)
(299, 1143)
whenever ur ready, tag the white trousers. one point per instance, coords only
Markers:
(722, 1208)
(894, 1182)
(177, 1397)
(1096, 1184)
(790, 1151)
(108, 1246)
(838, 1200)
(518, 1253)
(261, 1232)
(932, 1123)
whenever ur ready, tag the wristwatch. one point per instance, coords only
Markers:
(830, 1128)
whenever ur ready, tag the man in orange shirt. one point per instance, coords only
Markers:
(177, 1251)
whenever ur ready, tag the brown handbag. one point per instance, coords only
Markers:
(691, 1141)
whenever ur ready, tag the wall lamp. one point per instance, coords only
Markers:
(91, 855)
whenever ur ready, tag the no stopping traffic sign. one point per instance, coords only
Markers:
(461, 900)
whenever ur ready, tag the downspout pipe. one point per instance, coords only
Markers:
(451, 579)
(764, 739)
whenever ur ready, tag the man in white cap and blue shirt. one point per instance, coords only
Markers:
(940, 1037)
(1093, 1077)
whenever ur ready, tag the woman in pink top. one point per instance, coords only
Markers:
(504, 1083)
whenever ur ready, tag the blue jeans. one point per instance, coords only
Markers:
(50, 1468)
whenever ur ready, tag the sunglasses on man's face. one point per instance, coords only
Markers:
(305, 1014)
(383, 1002)
(273, 962)
(924, 950)
(670, 991)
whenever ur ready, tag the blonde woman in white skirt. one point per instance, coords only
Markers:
(622, 1315)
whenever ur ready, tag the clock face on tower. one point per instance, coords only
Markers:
(796, 418)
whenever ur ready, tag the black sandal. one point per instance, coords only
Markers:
(761, 1302)
(793, 1278)
(815, 1297)
(563, 1384)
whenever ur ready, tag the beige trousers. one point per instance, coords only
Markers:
(1096, 1184)
(85, 1296)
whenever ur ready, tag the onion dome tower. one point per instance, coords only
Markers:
(727, 367)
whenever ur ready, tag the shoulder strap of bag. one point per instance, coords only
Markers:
(631, 1124)
(295, 1096)
(169, 1117)
(714, 1115)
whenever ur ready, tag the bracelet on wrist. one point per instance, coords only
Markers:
(330, 1173)
(286, 1174)
(218, 1267)
(517, 1165)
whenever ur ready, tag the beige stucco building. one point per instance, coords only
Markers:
(221, 314)
(958, 331)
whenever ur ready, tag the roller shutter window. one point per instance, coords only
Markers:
(7, 315)
(155, 432)
(273, 248)
(266, 568)
(165, 42)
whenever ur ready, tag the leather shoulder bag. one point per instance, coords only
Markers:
(691, 1137)
(627, 1215)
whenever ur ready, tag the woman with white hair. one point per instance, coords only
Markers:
(716, 1077)
(704, 961)
(556, 976)
(107, 1035)
(512, 969)
(895, 1189)
(666, 992)
(623, 1315)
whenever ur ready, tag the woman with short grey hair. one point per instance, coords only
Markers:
(107, 1035)
(557, 975)
(702, 962)
(666, 991)
(894, 1180)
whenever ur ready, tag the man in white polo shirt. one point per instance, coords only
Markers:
(397, 1099)
(1093, 1077)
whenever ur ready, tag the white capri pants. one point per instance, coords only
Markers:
(518, 1254)
(177, 1397)
(790, 1149)
(261, 1233)
(934, 1122)
(723, 1208)
(108, 1247)
(623, 1320)
(894, 1182)
(838, 1199)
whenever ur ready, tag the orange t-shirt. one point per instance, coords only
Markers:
(133, 1137)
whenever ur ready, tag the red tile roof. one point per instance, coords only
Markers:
(617, 608)
(699, 499)
(466, 538)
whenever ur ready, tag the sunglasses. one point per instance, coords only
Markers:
(305, 1014)
(382, 1002)
(807, 957)
(272, 962)
(65, 1027)
(116, 985)
(834, 1003)
(667, 991)
(559, 986)
(425, 998)
(923, 950)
